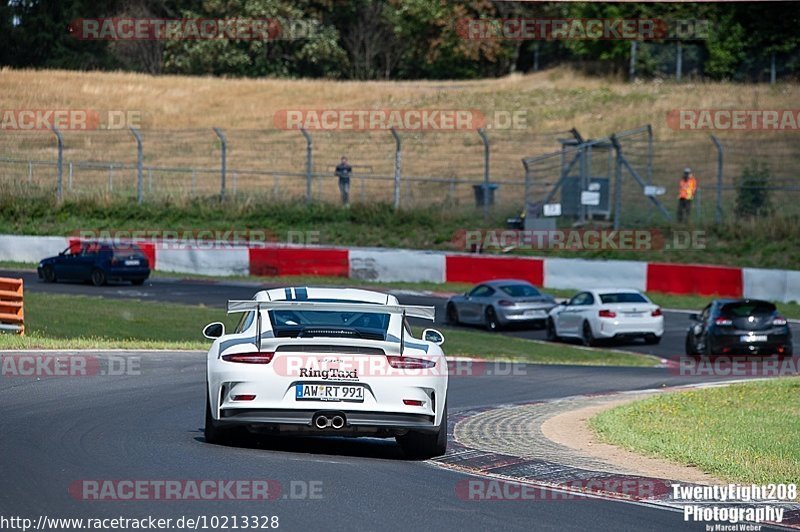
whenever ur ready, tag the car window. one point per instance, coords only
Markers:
(520, 290)
(126, 250)
(482, 291)
(623, 297)
(584, 298)
(244, 322)
(329, 323)
(741, 309)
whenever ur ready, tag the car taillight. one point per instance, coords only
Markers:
(723, 322)
(246, 397)
(656, 312)
(605, 313)
(249, 358)
(505, 303)
(779, 320)
(412, 402)
(114, 260)
(399, 362)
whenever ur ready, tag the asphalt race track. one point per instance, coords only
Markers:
(216, 294)
(56, 431)
(149, 426)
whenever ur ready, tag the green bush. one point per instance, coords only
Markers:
(752, 196)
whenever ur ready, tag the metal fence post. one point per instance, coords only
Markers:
(486, 152)
(617, 183)
(309, 164)
(720, 157)
(224, 161)
(60, 178)
(138, 165)
(398, 158)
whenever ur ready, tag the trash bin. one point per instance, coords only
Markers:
(484, 193)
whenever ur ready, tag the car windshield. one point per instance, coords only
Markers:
(520, 290)
(623, 297)
(748, 308)
(311, 323)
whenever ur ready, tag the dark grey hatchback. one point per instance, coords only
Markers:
(739, 327)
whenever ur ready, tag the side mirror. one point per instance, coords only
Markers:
(433, 336)
(694, 317)
(214, 330)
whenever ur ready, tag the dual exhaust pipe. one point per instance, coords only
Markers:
(335, 421)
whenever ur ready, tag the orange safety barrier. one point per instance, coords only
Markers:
(12, 312)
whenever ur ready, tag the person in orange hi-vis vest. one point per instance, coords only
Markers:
(687, 190)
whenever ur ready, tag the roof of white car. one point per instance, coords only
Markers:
(303, 293)
(614, 290)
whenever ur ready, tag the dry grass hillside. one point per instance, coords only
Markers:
(178, 113)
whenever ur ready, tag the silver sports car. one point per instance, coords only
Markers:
(501, 302)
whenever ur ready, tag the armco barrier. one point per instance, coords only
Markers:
(475, 269)
(12, 310)
(584, 274)
(397, 265)
(274, 261)
(694, 279)
(411, 265)
(775, 285)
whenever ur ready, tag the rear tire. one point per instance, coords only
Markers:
(425, 444)
(98, 277)
(551, 331)
(452, 314)
(491, 320)
(689, 347)
(49, 274)
(652, 339)
(588, 338)
(214, 434)
(137, 282)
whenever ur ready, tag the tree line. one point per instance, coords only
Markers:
(405, 39)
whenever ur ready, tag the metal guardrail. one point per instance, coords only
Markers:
(12, 310)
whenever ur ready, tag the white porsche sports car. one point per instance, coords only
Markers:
(328, 362)
(607, 314)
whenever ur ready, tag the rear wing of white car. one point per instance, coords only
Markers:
(411, 311)
(250, 305)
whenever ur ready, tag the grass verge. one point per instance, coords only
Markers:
(667, 301)
(82, 322)
(741, 433)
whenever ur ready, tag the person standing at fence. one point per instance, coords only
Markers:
(343, 171)
(686, 192)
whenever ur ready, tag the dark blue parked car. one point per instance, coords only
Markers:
(97, 262)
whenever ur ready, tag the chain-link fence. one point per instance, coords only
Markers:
(634, 174)
(636, 178)
(406, 168)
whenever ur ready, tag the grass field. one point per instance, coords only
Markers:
(742, 433)
(178, 112)
(80, 322)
